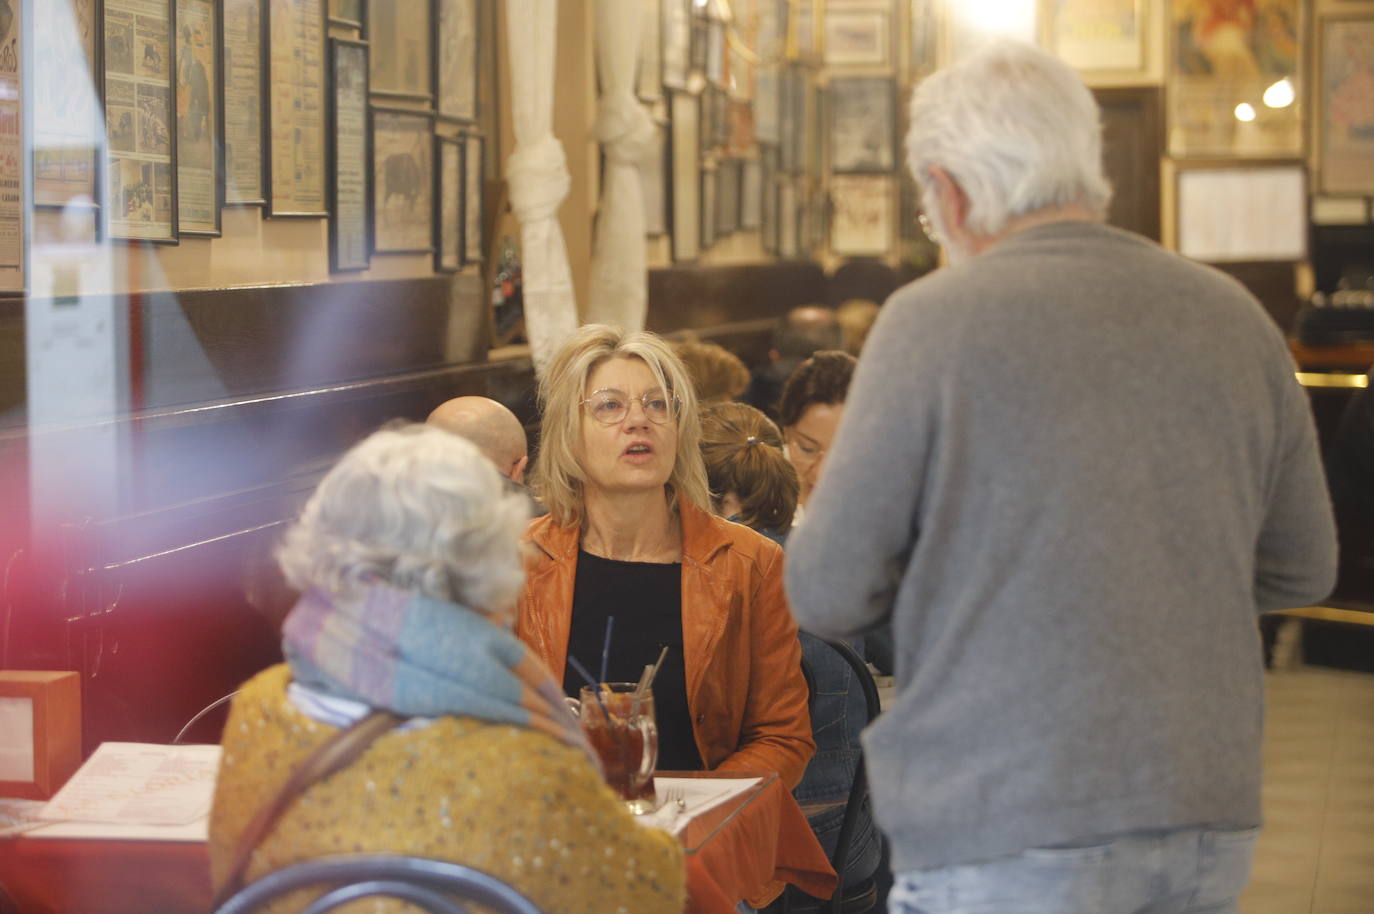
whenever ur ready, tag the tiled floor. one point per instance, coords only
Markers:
(1316, 853)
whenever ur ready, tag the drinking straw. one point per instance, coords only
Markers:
(582, 671)
(606, 646)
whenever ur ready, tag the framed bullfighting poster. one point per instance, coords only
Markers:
(402, 181)
(1235, 78)
(448, 214)
(67, 131)
(140, 119)
(350, 178)
(200, 123)
(295, 51)
(244, 183)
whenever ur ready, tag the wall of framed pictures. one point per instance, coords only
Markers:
(220, 143)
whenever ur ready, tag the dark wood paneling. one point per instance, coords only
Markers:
(1274, 284)
(694, 297)
(12, 362)
(1132, 143)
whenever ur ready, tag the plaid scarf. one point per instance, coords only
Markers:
(420, 657)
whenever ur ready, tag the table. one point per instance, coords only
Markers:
(746, 847)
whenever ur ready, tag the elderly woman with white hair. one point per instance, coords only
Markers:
(408, 562)
(630, 537)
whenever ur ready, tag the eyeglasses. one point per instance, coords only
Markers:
(610, 406)
(803, 450)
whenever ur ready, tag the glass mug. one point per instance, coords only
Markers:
(625, 737)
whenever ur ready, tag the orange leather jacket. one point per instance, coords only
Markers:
(745, 688)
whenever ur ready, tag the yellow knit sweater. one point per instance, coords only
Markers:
(506, 800)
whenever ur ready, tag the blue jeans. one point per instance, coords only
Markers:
(1190, 871)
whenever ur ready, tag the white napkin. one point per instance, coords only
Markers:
(700, 795)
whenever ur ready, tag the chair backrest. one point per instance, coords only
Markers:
(437, 886)
(859, 789)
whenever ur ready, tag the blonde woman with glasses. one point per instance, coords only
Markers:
(631, 549)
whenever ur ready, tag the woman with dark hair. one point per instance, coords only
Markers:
(810, 409)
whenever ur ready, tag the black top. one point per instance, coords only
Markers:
(646, 600)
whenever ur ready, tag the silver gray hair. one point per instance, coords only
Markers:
(1016, 128)
(418, 509)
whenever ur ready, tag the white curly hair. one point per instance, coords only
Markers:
(419, 509)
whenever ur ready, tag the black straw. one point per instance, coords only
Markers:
(606, 646)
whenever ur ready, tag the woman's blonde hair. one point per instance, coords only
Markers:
(742, 449)
(558, 474)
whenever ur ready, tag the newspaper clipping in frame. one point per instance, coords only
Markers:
(198, 165)
(243, 101)
(65, 114)
(139, 119)
(296, 118)
(11, 152)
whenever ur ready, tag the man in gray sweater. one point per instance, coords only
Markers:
(1072, 471)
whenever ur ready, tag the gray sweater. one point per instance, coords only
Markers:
(1072, 471)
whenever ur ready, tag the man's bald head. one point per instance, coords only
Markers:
(804, 331)
(490, 426)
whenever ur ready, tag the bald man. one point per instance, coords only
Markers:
(490, 426)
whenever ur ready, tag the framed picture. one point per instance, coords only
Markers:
(1229, 213)
(863, 214)
(1098, 34)
(350, 152)
(13, 155)
(856, 37)
(350, 14)
(402, 181)
(750, 195)
(399, 34)
(1340, 210)
(791, 128)
(200, 118)
(67, 131)
(767, 105)
(686, 169)
(140, 120)
(709, 190)
(803, 29)
(474, 199)
(1235, 86)
(740, 127)
(456, 56)
(863, 113)
(40, 731)
(448, 215)
(768, 199)
(676, 42)
(1345, 125)
(923, 54)
(295, 51)
(653, 174)
(697, 52)
(789, 244)
(649, 78)
(715, 52)
(244, 164)
(728, 202)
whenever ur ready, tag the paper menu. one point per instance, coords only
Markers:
(139, 784)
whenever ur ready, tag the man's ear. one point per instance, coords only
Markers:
(952, 200)
(517, 472)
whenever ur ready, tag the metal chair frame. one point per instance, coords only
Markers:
(858, 790)
(437, 886)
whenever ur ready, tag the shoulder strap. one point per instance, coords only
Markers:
(334, 754)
